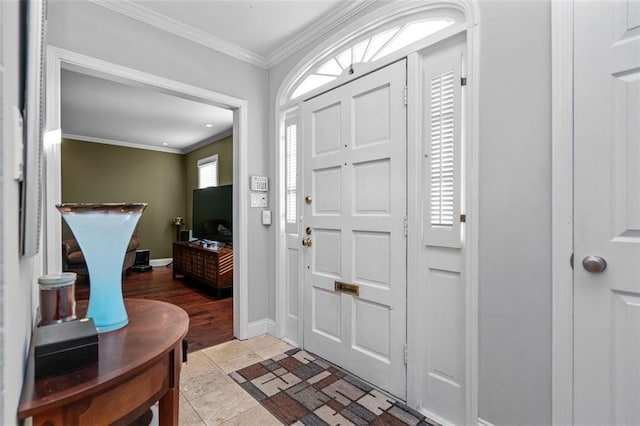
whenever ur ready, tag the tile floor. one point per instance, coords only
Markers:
(208, 396)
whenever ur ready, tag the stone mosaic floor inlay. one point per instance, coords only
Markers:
(302, 389)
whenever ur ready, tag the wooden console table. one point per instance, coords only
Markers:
(210, 266)
(138, 365)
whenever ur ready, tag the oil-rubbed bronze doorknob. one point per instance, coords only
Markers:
(306, 242)
(307, 199)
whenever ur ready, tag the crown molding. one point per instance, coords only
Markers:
(105, 141)
(309, 35)
(215, 138)
(318, 29)
(140, 13)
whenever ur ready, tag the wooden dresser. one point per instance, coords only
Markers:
(210, 266)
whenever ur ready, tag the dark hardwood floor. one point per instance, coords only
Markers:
(210, 319)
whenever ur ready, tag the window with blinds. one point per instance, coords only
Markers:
(291, 143)
(443, 148)
(208, 172)
(442, 164)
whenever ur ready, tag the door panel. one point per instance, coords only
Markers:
(607, 212)
(327, 135)
(327, 256)
(327, 191)
(372, 329)
(372, 187)
(327, 313)
(371, 120)
(371, 260)
(447, 310)
(355, 174)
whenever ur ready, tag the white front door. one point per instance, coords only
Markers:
(354, 141)
(607, 212)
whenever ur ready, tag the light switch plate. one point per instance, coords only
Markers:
(259, 200)
(266, 217)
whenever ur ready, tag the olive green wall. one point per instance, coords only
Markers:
(93, 172)
(224, 149)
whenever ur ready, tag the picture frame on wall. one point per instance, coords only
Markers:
(31, 192)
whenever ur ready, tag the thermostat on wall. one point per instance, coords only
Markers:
(259, 183)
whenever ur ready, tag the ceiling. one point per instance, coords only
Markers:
(255, 19)
(100, 110)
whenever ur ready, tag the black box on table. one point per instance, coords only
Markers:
(64, 347)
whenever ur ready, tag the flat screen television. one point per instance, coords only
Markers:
(213, 213)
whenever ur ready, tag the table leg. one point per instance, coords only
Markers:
(169, 407)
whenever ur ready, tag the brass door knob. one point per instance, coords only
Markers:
(306, 242)
(307, 199)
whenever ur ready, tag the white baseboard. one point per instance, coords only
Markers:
(291, 342)
(160, 262)
(483, 422)
(434, 418)
(260, 327)
(271, 328)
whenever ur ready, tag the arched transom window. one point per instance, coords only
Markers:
(370, 49)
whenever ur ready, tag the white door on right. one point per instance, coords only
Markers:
(607, 212)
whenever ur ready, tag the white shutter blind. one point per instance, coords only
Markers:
(208, 172)
(291, 170)
(291, 145)
(442, 167)
(443, 146)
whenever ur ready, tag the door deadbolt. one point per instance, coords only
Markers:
(307, 199)
(308, 230)
(306, 242)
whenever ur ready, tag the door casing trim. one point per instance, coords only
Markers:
(562, 211)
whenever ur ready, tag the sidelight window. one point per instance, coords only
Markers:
(442, 150)
(291, 142)
(443, 145)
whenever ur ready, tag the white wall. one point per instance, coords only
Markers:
(94, 31)
(17, 275)
(515, 208)
(515, 212)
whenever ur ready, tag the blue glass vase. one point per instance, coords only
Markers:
(103, 232)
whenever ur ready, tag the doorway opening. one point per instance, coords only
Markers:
(59, 59)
